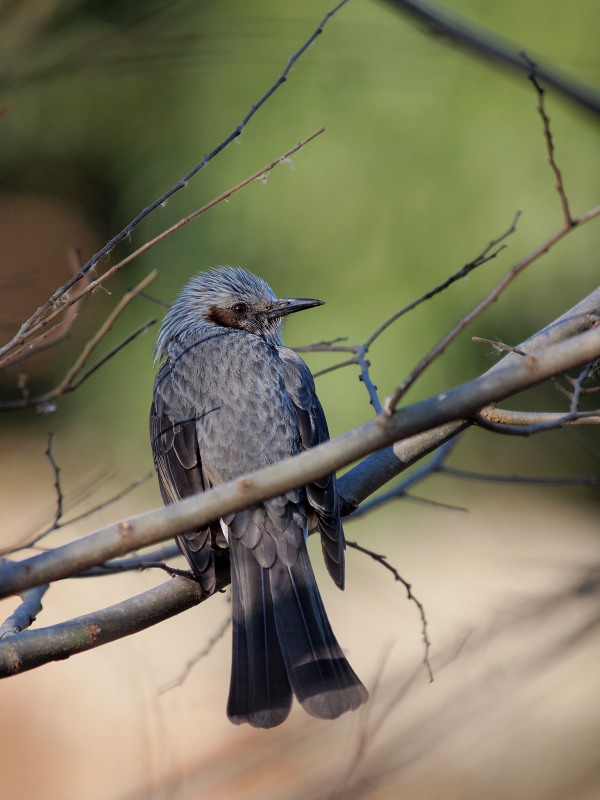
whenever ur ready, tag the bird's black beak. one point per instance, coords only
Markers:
(283, 307)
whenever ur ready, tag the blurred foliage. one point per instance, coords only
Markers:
(427, 156)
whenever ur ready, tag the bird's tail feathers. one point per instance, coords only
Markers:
(259, 692)
(283, 644)
(319, 673)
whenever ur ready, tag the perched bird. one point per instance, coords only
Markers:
(229, 399)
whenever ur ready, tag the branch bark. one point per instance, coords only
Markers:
(376, 470)
(460, 403)
(31, 649)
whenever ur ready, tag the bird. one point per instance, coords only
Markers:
(228, 399)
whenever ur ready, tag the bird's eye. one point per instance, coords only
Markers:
(239, 308)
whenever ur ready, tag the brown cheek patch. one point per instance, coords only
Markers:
(222, 317)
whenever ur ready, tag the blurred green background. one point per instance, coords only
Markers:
(428, 154)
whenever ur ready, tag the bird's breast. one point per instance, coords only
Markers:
(245, 416)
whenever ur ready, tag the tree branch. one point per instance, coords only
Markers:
(26, 613)
(486, 45)
(39, 318)
(72, 380)
(485, 303)
(31, 649)
(501, 416)
(193, 512)
(381, 467)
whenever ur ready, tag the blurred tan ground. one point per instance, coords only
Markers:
(513, 711)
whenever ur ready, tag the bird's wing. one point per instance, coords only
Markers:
(322, 494)
(179, 468)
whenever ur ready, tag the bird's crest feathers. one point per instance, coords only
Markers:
(220, 287)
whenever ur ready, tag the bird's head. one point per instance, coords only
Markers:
(228, 297)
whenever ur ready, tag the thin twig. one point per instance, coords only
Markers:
(59, 523)
(110, 501)
(434, 464)
(333, 367)
(499, 346)
(56, 470)
(578, 385)
(191, 663)
(70, 381)
(556, 422)
(36, 343)
(487, 254)
(482, 305)
(490, 251)
(381, 559)
(559, 186)
(531, 419)
(90, 266)
(156, 300)
(327, 347)
(95, 284)
(584, 480)
(132, 564)
(428, 501)
(76, 383)
(25, 614)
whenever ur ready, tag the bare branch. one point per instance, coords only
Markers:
(433, 465)
(56, 470)
(93, 285)
(499, 346)
(548, 422)
(586, 480)
(135, 563)
(30, 649)
(332, 368)
(410, 596)
(568, 220)
(41, 316)
(532, 419)
(381, 467)
(360, 350)
(70, 381)
(489, 46)
(193, 512)
(483, 304)
(57, 524)
(490, 252)
(26, 613)
(191, 663)
(130, 616)
(578, 387)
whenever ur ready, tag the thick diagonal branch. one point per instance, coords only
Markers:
(510, 377)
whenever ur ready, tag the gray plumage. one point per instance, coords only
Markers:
(229, 399)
